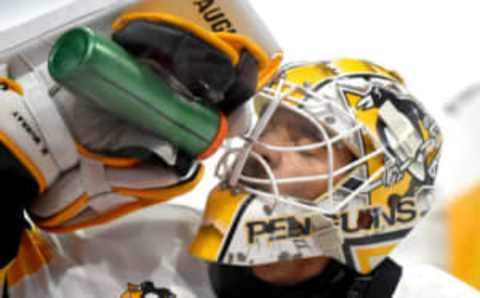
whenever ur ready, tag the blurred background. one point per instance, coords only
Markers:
(431, 44)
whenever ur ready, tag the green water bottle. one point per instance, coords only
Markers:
(100, 70)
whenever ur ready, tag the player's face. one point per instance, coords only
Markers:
(290, 129)
(287, 128)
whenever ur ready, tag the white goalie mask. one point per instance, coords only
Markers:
(341, 163)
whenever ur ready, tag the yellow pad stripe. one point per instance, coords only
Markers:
(11, 84)
(33, 255)
(146, 198)
(114, 162)
(66, 214)
(267, 74)
(268, 66)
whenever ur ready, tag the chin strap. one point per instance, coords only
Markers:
(382, 282)
(336, 281)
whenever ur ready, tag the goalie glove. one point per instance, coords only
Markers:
(219, 50)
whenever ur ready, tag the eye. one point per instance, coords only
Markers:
(301, 141)
(310, 154)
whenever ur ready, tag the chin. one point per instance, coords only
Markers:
(291, 272)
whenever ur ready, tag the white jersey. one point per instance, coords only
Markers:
(427, 281)
(146, 246)
(151, 245)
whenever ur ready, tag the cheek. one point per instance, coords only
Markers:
(343, 157)
(305, 190)
(298, 165)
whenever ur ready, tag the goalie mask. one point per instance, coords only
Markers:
(340, 163)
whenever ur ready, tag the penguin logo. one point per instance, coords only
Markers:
(399, 127)
(147, 290)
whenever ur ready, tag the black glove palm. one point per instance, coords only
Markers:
(205, 71)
